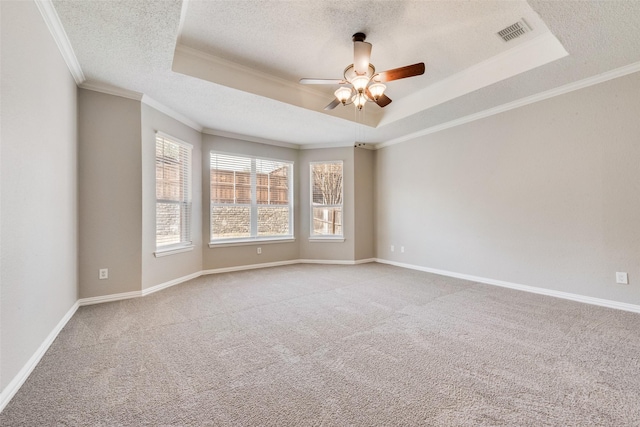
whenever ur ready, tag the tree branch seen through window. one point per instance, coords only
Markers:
(327, 193)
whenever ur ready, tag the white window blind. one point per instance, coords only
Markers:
(326, 199)
(173, 192)
(251, 198)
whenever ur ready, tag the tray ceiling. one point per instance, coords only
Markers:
(233, 66)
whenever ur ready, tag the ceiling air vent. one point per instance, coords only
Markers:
(514, 31)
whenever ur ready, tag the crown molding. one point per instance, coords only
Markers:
(112, 90)
(259, 140)
(56, 29)
(232, 135)
(581, 84)
(146, 99)
(328, 145)
(241, 137)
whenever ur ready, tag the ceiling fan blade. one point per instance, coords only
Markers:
(361, 56)
(383, 100)
(322, 82)
(401, 73)
(333, 104)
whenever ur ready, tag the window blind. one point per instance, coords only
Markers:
(173, 192)
(251, 198)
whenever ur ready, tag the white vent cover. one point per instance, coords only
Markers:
(514, 31)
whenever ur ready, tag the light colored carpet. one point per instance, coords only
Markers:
(337, 345)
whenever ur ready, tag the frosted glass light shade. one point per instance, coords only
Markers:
(360, 82)
(376, 90)
(359, 100)
(343, 94)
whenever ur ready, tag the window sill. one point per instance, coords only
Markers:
(171, 251)
(244, 242)
(326, 239)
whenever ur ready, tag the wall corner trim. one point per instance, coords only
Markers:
(12, 388)
(533, 289)
(51, 18)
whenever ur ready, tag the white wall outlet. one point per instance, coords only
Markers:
(103, 274)
(392, 248)
(402, 249)
(622, 278)
(259, 251)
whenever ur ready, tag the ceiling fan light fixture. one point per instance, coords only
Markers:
(376, 90)
(343, 94)
(360, 83)
(359, 100)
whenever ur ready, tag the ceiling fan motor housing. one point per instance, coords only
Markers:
(359, 37)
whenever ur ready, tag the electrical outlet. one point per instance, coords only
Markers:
(392, 248)
(103, 274)
(259, 251)
(402, 249)
(622, 278)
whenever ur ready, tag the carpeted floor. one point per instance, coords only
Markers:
(362, 345)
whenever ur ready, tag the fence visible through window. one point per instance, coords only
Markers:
(250, 197)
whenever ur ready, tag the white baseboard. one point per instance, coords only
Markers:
(12, 388)
(109, 298)
(335, 261)
(533, 289)
(364, 261)
(161, 286)
(250, 267)
(170, 283)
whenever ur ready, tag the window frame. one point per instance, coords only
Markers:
(323, 237)
(186, 232)
(253, 206)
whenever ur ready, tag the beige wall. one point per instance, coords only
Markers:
(160, 270)
(38, 252)
(327, 250)
(110, 193)
(546, 195)
(233, 256)
(364, 222)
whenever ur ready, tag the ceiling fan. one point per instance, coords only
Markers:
(361, 83)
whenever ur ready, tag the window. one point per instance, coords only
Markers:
(173, 193)
(251, 199)
(326, 199)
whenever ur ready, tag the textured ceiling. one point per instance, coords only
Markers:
(130, 44)
(313, 39)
